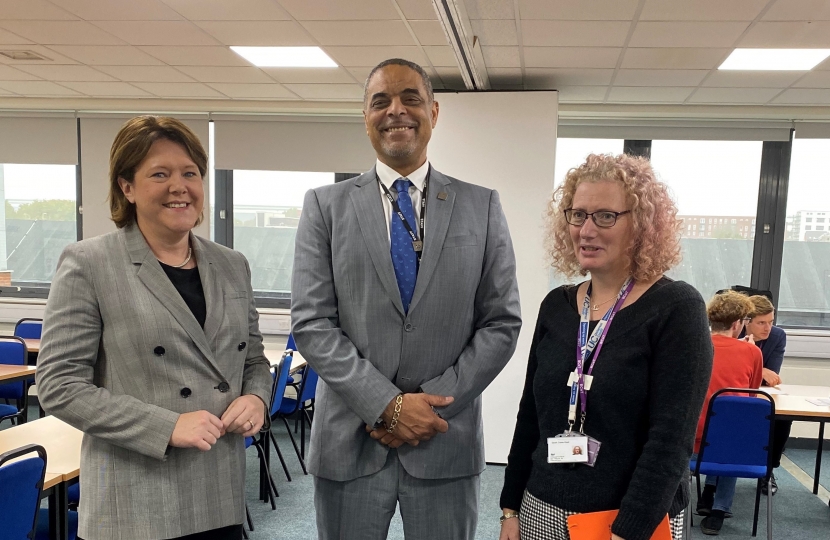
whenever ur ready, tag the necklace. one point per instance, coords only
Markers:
(596, 306)
(187, 260)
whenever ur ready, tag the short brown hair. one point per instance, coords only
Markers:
(726, 308)
(761, 306)
(131, 146)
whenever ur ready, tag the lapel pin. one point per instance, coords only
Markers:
(442, 196)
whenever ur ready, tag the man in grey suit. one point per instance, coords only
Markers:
(405, 301)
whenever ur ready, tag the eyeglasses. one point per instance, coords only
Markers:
(602, 218)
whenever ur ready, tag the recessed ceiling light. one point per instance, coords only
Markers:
(285, 56)
(775, 59)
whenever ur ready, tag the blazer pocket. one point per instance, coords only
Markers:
(458, 241)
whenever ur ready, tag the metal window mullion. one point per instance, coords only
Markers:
(223, 208)
(79, 192)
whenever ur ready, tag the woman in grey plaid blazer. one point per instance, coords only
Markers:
(151, 347)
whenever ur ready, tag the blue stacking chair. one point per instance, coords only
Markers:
(305, 401)
(272, 486)
(43, 525)
(22, 486)
(281, 374)
(737, 439)
(291, 345)
(28, 328)
(13, 352)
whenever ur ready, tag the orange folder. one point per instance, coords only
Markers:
(597, 526)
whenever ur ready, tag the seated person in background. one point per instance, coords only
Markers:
(737, 364)
(772, 341)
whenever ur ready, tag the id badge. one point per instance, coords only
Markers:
(588, 446)
(565, 449)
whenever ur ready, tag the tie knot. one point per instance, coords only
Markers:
(402, 185)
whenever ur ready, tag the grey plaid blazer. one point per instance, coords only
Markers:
(349, 323)
(122, 356)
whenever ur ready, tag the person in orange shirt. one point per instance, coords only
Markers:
(738, 364)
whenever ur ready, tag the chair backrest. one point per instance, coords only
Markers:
(291, 344)
(308, 387)
(280, 382)
(738, 429)
(22, 484)
(28, 328)
(13, 351)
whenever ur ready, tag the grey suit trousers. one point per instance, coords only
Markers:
(361, 509)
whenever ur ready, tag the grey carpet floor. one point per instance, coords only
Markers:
(806, 460)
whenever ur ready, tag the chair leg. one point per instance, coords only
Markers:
(757, 504)
(272, 490)
(279, 454)
(244, 534)
(302, 434)
(294, 443)
(769, 516)
(691, 521)
(248, 517)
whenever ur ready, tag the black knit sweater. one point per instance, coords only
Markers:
(649, 384)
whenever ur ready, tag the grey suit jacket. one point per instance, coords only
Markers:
(349, 323)
(122, 356)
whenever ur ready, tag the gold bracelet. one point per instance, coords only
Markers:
(396, 414)
(508, 515)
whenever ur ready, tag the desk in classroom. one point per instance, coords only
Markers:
(791, 404)
(13, 373)
(274, 357)
(33, 345)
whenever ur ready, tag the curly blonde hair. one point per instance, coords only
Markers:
(726, 308)
(656, 229)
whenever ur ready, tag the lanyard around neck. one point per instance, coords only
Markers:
(585, 346)
(417, 240)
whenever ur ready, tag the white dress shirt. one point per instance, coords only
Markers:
(387, 176)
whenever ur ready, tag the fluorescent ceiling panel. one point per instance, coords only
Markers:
(285, 56)
(775, 59)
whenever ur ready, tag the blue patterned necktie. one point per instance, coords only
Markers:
(404, 258)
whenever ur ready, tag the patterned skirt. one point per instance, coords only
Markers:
(539, 520)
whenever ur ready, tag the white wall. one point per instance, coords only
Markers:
(505, 141)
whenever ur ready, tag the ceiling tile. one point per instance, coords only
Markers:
(660, 77)
(742, 96)
(673, 58)
(336, 10)
(359, 33)
(429, 32)
(37, 88)
(33, 10)
(5, 93)
(157, 32)
(209, 74)
(417, 9)
(179, 90)
(582, 94)
(450, 78)
(552, 78)
(753, 79)
(798, 10)
(196, 56)
(569, 10)
(8, 73)
(67, 73)
(501, 77)
(313, 75)
(803, 34)
(254, 91)
(8, 38)
(372, 56)
(501, 57)
(122, 55)
(107, 89)
(574, 33)
(814, 79)
(258, 33)
(53, 56)
(495, 32)
(649, 94)
(361, 73)
(145, 73)
(223, 10)
(571, 57)
(119, 10)
(350, 92)
(702, 10)
(441, 56)
(803, 96)
(687, 34)
(489, 9)
(61, 32)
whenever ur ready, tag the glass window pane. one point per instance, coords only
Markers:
(266, 211)
(39, 219)
(804, 296)
(715, 185)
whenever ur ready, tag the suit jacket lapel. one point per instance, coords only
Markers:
(160, 286)
(437, 223)
(214, 298)
(370, 217)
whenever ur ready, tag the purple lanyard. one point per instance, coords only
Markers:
(585, 346)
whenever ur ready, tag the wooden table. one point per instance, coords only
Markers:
(11, 373)
(791, 404)
(63, 462)
(274, 356)
(33, 345)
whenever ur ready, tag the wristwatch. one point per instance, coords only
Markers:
(508, 515)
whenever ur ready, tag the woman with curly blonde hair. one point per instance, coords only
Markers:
(620, 361)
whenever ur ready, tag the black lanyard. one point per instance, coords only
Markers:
(417, 241)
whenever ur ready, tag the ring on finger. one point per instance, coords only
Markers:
(251, 424)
